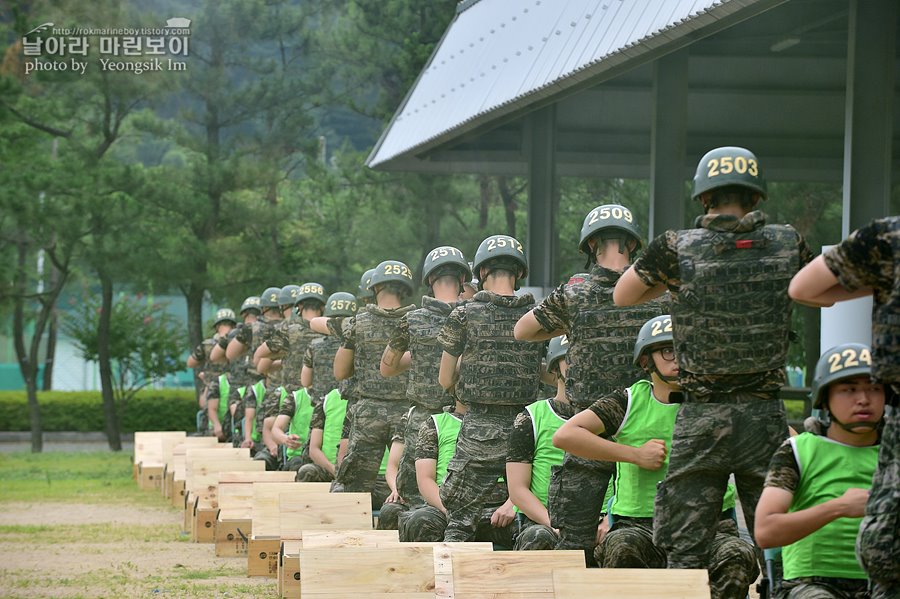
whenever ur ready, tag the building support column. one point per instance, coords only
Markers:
(543, 200)
(668, 139)
(868, 119)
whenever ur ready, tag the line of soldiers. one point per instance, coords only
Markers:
(666, 369)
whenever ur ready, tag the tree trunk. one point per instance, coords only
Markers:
(484, 187)
(509, 205)
(113, 436)
(47, 383)
(812, 331)
(27, 367)
(194, 298)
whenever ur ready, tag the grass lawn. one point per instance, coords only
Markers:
(76, 525)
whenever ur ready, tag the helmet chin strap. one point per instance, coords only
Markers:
(653, 369)
(852, 427)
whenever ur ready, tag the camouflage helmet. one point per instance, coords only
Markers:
(251, 303)
(611, 218)
(391, 271)
(364, 291)
(224, 315)
(269, 298)
(655, 332)
(840, 362)
(311, 291)
(557, 350)
(443, 260)
(499, 246)
(288, 295)
(341, 304)
(728, 166)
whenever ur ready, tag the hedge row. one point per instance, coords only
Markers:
(149, 410)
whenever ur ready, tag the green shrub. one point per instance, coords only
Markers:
(149, 410)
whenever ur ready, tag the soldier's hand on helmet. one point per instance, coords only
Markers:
(503, 515)
(853, 502)
(292, 442)
(651, 455)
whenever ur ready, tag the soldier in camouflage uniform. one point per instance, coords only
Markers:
(641, 419)
(230, 388)
(863, 264)
(817, 485)
(731, 314)
(495, 376)
(289, 342)
(381, 403)
(414, 349)
(601, 339)
(246, 340)
(207, 370)
(531, 456)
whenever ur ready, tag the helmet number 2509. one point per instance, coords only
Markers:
(607, 212)
(729, 164)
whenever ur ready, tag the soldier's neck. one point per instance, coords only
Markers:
(561, 391)
(446, 297)
(613, 260)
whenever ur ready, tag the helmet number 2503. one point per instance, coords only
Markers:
(731, 164)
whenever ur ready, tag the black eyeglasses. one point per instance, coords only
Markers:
(667, 353)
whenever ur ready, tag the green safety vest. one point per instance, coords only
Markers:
(447, 426)
(300, 421)
(259, 389)
(645, 419)
(827, 469)
(224, 391)
(544, 422)
(335, 407)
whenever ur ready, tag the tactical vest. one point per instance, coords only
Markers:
(323, 351)
(447, 426)
(601, 342)
(886, 318)
(732, 313)
(646, 419)
(373, 332)
(496, 369)
(299, 426)
(544, 422)
(424, 390)
(300, 336)
(827, 470)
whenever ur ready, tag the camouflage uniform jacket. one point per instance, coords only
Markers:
(601, 335)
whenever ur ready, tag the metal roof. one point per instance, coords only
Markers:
(498, 56)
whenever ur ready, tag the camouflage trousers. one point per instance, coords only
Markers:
(406, 476)
(532, 536)
(816, 587)
(313, 473)
(273, 462)
(575, 501)
(295, 463)
(475, 474)
(428, 525)
(732, 564)
(389, 515)
(711, 441)
(878, 543)
(374, 424)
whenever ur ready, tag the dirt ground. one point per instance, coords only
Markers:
(83, 550)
